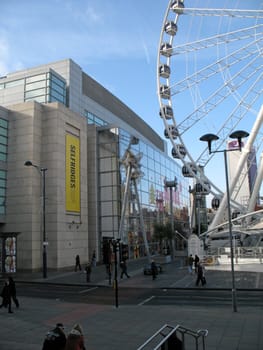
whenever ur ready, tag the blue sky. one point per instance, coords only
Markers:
(114, 41)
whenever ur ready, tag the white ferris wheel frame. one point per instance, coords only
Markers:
(165, 90)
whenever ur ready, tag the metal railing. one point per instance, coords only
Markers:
(243, 255)
(175, 338)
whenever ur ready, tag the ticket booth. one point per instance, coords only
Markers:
(8, 251)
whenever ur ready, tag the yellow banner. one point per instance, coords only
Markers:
(72, 173)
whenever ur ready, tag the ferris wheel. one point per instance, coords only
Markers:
(209, 80)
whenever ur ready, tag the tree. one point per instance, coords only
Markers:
(163, 232)
(158, 233)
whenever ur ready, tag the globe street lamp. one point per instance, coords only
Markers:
(209, 138)
(42, 172)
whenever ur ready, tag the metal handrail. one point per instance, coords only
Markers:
(164, 333)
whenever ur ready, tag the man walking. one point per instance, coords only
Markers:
(153, 269)
(200, 275)
(12, 287)
(77, 263)
(124, 269)
(6, 297)
(88, 272)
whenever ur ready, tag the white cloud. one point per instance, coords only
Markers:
(93, 15)
(146, 51)
(82, 14)
(86, 31)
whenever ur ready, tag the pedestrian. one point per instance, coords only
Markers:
(200, 275)
(196, 261)
(75, 339)
(124, 269)
(88, 272)
(12, 287)
(93, 259)
(190, 264)
(77, 263)
(153, 269)
(55, 339)
(6, 297)
(109, 272)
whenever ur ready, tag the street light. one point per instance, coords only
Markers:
(42, 172)
(116, 245)
(209, 138)
(171, 184)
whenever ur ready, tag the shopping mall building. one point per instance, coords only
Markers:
(75, 134)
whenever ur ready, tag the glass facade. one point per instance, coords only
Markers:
(93, 119)
(154, 197)
(44, 88)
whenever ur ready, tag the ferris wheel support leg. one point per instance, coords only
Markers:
(245, 152)
(142, 223)
(124, 205)
(254, 195)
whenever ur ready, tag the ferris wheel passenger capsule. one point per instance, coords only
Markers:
(215, 203)
(173, 132)
(164, 71)
(165, 92)
(178, 151)
(186, 172)
(167, 111)
(166, 50)
(170, 28)
(177, 6)
(199, 188)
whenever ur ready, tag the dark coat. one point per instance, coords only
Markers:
(55, 340)
(12, 287)
(6, 295)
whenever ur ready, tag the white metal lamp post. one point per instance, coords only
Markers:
(172, 184)
(42, 172)
(209, 138)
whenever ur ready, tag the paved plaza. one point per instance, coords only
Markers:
(109, 328)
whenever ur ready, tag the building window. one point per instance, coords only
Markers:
(13, 83)
(56, 89)
(3, 139)
(2, 191)
(93, 119)
(45, 88)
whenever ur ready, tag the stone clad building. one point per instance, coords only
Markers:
(74, 132)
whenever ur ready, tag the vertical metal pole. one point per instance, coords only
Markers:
(199, 221)
(234, 302)
(172, 220)
(43, 172)
(116, 274)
